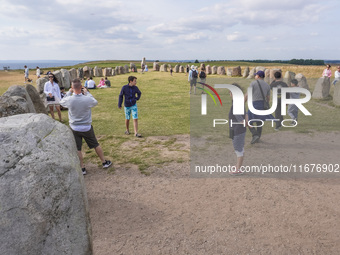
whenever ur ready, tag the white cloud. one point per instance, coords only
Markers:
(87, 28)
(237, 37)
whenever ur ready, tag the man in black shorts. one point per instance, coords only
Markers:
(79, 106)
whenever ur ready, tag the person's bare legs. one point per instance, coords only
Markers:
(100, 153)
(59, 112)
(239, 162)
(51, 111)
(127, 124)
(135, 125)
(80, 156)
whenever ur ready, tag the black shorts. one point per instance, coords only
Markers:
(89, 137)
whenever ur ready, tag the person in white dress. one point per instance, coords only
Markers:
(53, 96)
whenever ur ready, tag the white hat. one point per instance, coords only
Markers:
(192, 67)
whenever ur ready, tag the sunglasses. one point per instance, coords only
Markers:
(50, 76)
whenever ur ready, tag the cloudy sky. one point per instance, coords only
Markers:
(111, 29)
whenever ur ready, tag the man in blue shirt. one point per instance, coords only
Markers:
(131, 95)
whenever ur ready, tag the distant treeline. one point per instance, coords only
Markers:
(293, 61)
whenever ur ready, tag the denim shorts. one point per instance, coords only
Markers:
(130, 109)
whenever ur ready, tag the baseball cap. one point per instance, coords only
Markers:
(260, 73)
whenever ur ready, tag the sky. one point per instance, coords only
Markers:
(168, 30)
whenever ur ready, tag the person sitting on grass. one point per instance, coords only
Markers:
(91, 84)
(107, 82)
(102, 83)
(129, 92)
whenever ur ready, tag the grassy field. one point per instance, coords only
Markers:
(164, 110)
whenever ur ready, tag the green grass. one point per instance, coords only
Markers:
(164, 110)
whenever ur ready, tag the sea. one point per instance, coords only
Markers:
(32, 64)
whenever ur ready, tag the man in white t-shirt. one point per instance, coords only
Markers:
(91, 84)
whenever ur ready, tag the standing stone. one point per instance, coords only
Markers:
(208, 69)
(41, 84)
(302, 81)
(66, 79)
(133, 67)
(126, 69)
(59, 77)
(229, 71)
(117, 70)
(38, 104)
(73, 74)
(267, 76)
(80, 73)
(44, 208)
(181, 69)
(289, 76)
(96, 72)
(91, 72)
(156, 66)
(336, 96)
(121, 70)
(86, 72)
(221, 70)
(176, 69)
(214, 70)
(20, 91)
(236, 71)
(107, 71)
(10, 107)
(113, 71)
(322, 88)
(245, 72)
(252, 73)
(260, 68)
(164, 68)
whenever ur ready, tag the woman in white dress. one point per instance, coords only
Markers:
(53, 96)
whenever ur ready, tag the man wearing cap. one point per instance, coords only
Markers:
(258, 99)
(192, 78)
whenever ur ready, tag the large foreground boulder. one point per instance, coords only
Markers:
(43, 202)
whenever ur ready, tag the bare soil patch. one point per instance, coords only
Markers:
(168, 212)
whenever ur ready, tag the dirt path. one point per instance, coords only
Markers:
(170, 213)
